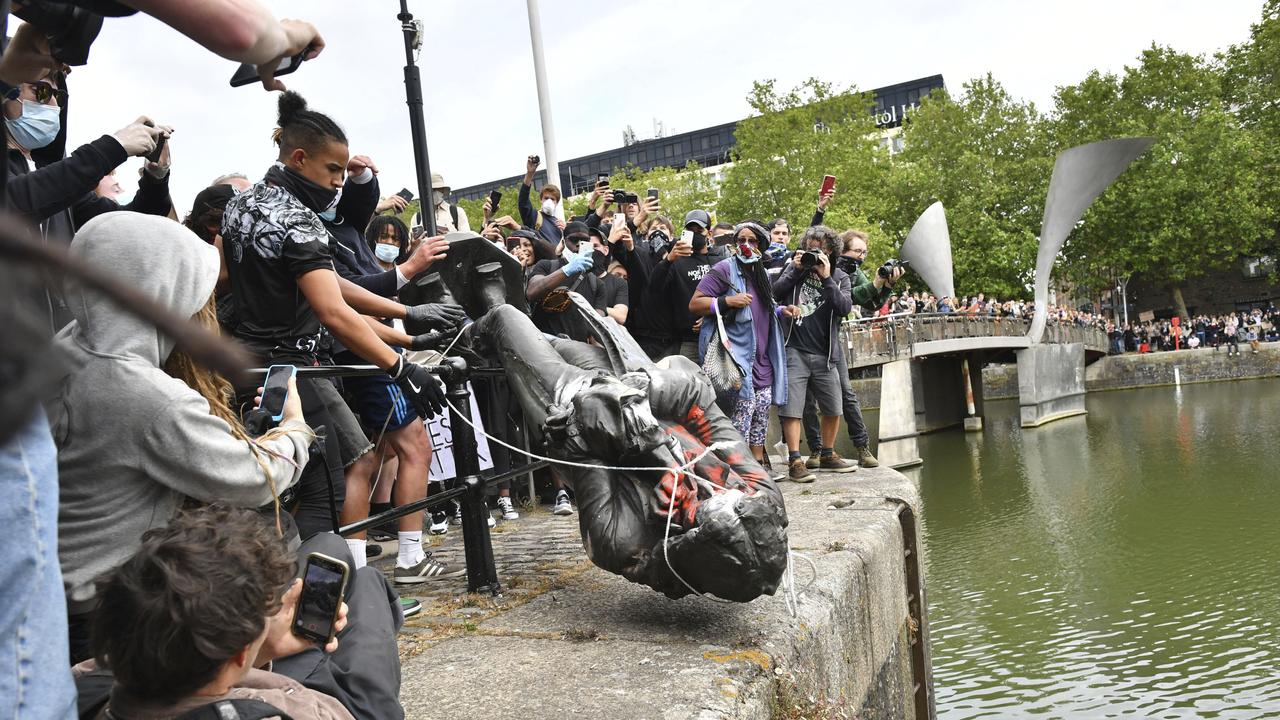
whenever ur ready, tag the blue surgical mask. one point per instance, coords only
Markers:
(386, 253)
(37, 127)
(329, 215)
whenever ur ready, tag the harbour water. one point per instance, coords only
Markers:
(1124, 563)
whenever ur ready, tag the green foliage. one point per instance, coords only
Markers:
(1194, 202)
(1251, 81)
(985, 156)
(507, 205)
(798, 137)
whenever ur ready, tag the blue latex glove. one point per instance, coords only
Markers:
(578, 264)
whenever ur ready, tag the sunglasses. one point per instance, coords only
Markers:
(43, 91)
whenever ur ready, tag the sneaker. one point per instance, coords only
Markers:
(439, 522)
(428, 569)
(562, 506)
(835, 463)
(372, 551)
(410, 607)
(814, 462)
(457, 514)
(377, 534)
(767, 464)
(508, 509)
(798, 472)
(866, 459)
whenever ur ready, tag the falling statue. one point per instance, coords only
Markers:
(711, 520)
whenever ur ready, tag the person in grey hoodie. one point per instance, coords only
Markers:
(134, 441)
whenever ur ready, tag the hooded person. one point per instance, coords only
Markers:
(737, 293)
(140, 428)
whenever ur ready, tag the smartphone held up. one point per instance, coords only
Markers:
(324, 582)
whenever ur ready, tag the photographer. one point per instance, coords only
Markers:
(675, 279)
(545, 220)
(814, 354)
(203, 613)
(867, 295)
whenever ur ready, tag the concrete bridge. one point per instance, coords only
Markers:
(931, 371)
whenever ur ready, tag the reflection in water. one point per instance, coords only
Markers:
(1122, 563)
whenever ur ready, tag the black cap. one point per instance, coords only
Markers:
(214, 197)
(576, 228)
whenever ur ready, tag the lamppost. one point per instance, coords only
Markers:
(544, 99)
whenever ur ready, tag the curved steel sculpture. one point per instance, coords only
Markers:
(1080, 174)
(928, 249)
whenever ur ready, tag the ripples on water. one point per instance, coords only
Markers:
(1120, 564)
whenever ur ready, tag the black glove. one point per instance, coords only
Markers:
(438, 316)
(428, 341)
(419, 386)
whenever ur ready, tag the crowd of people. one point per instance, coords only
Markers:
(1227, 331)
(181, 523)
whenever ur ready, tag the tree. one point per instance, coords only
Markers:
(782, 153)
(679, 190)
(985, 156)
(1252, 84)
(1194, 202)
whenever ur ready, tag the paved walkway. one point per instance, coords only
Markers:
(534, 554)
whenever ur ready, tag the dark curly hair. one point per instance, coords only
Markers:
(196, 593)
(300, 127)
(379, 223)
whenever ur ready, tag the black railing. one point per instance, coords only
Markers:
(466, 486)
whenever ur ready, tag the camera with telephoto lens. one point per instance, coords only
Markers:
(69, 29)
(886, 270)
(808, 259)
(623, 197)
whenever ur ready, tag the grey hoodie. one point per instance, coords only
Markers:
(133, 442)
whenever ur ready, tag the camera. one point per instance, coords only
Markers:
(808, 259)
(847, 264)
(886, 270)
(622, 197)
(70, 30)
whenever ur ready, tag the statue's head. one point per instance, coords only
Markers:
(737, 550)
(611, 416)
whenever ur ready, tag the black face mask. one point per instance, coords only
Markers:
(316, 197)
(658, 240)
(699, 242)
(599, 262)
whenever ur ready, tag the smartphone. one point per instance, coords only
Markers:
(406, 193)
(828, 184)
(275, 390)
(324, 581)
(653, 193)
(602, 179)
(686, 237)
(248, 74)
(495, 196)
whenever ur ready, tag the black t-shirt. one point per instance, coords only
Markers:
(615, 291)
(811, 332)
(270, 239)
(585, 284)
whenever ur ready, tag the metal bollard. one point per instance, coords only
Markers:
(482, 574)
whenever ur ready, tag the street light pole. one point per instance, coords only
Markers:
(417, 126)
(544, 98)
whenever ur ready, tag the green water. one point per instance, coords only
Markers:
(1125, 563)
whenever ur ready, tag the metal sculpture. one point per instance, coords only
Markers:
(1080, 174)
(928, 249)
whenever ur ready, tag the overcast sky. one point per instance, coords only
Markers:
(688, 63)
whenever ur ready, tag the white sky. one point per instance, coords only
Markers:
(688, 63)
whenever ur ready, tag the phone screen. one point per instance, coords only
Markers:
(276, 389)
(322, 585)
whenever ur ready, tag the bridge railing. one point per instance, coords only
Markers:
(877, 340)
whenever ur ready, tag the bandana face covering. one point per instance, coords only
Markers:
(315, 197)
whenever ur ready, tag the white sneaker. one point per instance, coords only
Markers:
(507, 508)
(439, 522)
(457, 514)
(562, 506)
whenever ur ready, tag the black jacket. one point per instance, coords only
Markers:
(671, 287)
(352, 257)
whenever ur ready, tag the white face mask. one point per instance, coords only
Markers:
(437, 197)
(549, 206)
(386, 253)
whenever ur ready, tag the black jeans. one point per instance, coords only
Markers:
(852, 413)
(364, 674)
